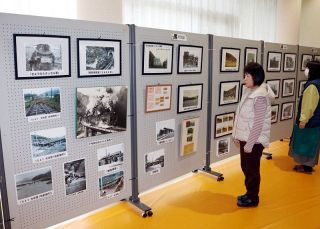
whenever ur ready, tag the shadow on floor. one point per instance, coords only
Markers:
(284, 163)
(205, 202)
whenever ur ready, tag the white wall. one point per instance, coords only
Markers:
(309, 23)
(288, 21)
(100, 10)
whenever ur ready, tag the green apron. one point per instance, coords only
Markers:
(306, 141)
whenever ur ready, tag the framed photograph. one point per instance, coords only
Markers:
(316, 58)
(111, 184)
(275, 86)
(243, 89)
(190, 59)
(289, 63)
(165, 131)
(189, 136)
(301, 87)
(110, 158)
(101, 110)
(274, 62)
(154, 161)
(158, 97)
(229, 92)
(305, 58)
(287, 111)
(288, 87)
(75, 176)
(33, 185)
(274, 113)
(230, 60)
(251, 55)
(99, 57)
(189, 97)
(157, 58)
(41, 56)
(42, 103)
(48, 144)
(223, 147)
(224, 124)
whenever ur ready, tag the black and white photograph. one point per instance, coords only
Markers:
(275, 86)
(251, 55)
(48, 144)
(274, 113)
(165, 131)
(288, 87)
(274, 62)
(41, 56)
(158, 97)
(189, 97)
(154, 161)
(189, 136)
(316, 58)
(229, 92)
(190, 59)
(42, 103)
(287, 111)
(243, 89)
(99, 57)
(157, 58)
(305, 58)
(33, 185)
(224, 124)
(301, 87)
(110, 159)
(75, 176)
(289, 63)
(110, 185)
(230, 60)
(223, 147)
(101, 110)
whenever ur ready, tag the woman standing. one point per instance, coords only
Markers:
(252, 130)
(305, 141)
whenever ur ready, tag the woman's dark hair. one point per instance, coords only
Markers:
(256, 71)
(314, 70)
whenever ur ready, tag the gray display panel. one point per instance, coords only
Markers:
(59, 202)
(282, 128)
(221, 46)
(174, 164)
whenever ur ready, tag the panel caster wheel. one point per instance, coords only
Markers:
(150, 213)
(195, 171)
(144, 214)
(220, 179)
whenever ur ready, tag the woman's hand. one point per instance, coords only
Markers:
(236, 142)
(302, 125)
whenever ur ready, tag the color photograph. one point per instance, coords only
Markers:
(158, 98)
(224, 124)
(189, 136)
(230, 60)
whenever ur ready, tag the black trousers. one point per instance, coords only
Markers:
(250, 165)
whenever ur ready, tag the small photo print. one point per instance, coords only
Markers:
(42, 103)
(275, 86)
(305, 58)
(189, 97)
(48, 144)
(190, 59)
(154, 161)
(301, 87)
(289, 64)
(110, 159)
(223, 147)
(229, 92)
(33, 185)
(230, 60)
(287, 111)
(189, 136)
(274, 113)
(274, 62)
(75, 176)
(317, 58)
(224, 124)
(165, 131)
(110, 185)
(250, 55)
(288, 87)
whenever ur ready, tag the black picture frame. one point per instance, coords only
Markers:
(277, 114)
(246, 56)
(181, 100)
(223, 60)
(42, 57)
(301, 84)
(243, 87)
(227, 130)
(277, 95)
(146, 70)
(115, 55)
(237, 84)
(195, 70)
(282, 118)
(284, 89)
(304, 58)
(272, 55)
(285, 63)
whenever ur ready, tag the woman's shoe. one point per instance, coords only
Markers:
(303, 169)
(242, 197)
(247, 203)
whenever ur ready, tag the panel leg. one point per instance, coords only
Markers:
(208, 170)
(146, 210)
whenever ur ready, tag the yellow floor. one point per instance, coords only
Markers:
(287, 200)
